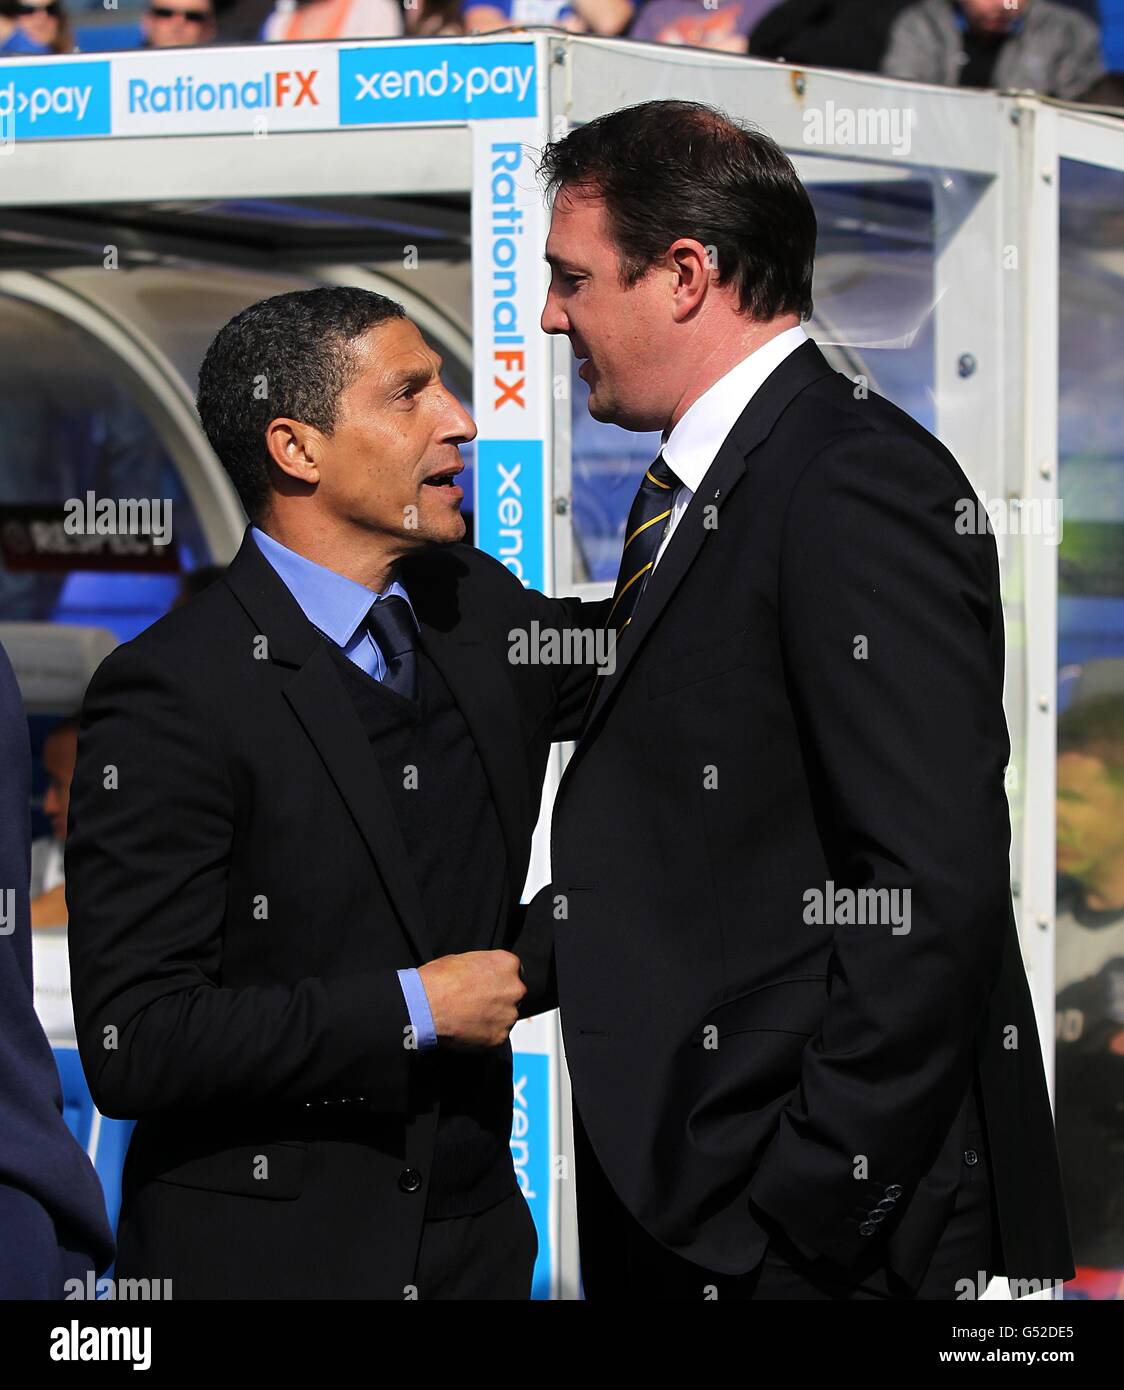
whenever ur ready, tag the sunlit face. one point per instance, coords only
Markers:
(389, 466)
(173, 23)
(621, 333)
(39, 20)
(1090, 816)
(993, 16)
(60, 750)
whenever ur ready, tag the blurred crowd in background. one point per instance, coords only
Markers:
(1050, 46)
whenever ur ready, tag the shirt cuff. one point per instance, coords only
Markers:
(417, 1006)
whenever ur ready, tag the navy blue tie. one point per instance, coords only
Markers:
(390, 622)
(644, 530)
(643, 533)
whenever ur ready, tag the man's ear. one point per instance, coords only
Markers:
(692, 264)
(296, 449)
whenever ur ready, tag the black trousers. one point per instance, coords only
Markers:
(620, 1260)
(490, 1254)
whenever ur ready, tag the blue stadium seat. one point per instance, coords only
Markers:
(104, 38)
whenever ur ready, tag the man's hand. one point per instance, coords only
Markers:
(474, 997)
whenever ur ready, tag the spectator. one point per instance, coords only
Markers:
(333, 19)
(48, 895)
(176, 23)
(1047, 47)
(14, 43)
(1089, 980)
(720, 24)
(44, 22)
(425, 18)
(1107, 90)
(240, 21)
(603, 17)
(848, 34)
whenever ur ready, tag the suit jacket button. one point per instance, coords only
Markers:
(893, 1192)
(868, 1228)
(971, 1157)
(409, 1180)
(887, 1204)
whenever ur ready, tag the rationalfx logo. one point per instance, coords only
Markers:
(186, 93)
(394, 83)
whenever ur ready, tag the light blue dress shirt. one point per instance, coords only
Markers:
(337, 607)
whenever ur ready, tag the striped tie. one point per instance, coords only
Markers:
(646, 522)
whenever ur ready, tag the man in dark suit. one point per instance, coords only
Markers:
(53, 1226)
(299, 829)
(802, 1047)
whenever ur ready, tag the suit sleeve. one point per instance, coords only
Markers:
(891, 630)
(573, 683)
(152, 824)
(50, 1197)
(534, 945)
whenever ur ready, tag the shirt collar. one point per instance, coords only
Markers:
(690, 448)
(330, 601)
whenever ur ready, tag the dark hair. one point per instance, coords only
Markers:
(285, 356)
(1095, 727)
(64, 37)
(670, 169)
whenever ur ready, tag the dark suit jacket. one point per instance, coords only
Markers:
(52, 1212)
(809, 694)
(241, 902)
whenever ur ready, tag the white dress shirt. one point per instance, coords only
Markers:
(692, 445)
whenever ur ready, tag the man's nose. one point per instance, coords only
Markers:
(462, 427)
(553, 318)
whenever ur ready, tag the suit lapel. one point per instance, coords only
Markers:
(321, 703)
(696, 523)
(480, 687)
(700, 521)
(487, 702)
